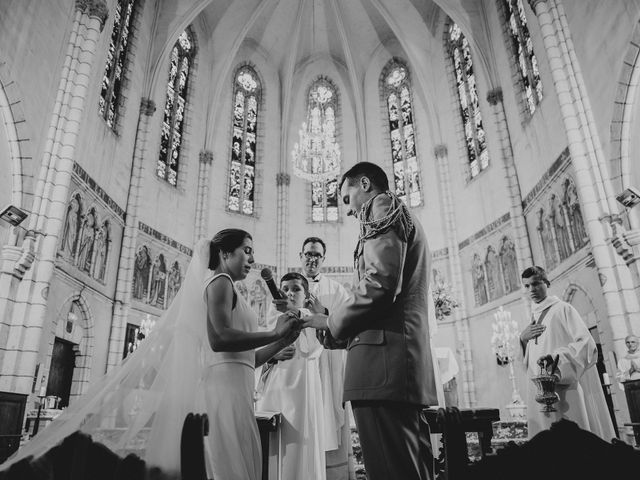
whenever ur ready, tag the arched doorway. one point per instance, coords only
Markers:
(63, 362)
(71, 351)
(581, 301)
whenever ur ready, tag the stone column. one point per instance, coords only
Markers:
(50, 200)
(521, 240)
(124, 279)
(202, 195)
(599, 162)
(590, 190)
(283, 180)
(461, 315)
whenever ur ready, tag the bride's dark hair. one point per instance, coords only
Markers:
(225, 241)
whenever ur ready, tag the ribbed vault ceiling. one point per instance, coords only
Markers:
(291, 34)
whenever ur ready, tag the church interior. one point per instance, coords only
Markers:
(132, 128)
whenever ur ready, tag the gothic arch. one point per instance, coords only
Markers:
(582, 301)
(623, 118)
(81, 335)
(13, 120)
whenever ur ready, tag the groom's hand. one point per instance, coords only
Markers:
(317, 321)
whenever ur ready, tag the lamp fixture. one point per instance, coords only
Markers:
(629, 198)
(13, 215)
(316, 156)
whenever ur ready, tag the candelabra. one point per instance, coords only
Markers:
(504, 341)
(316, 157)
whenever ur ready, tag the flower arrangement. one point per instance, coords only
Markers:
(443, 300)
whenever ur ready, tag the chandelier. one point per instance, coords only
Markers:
(316, 156)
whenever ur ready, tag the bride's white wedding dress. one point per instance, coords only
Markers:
(234, 443)
(140, 406)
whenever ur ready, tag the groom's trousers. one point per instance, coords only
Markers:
(394, 437)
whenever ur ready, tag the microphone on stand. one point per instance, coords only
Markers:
(267, 276)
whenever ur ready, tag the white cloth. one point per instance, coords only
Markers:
(337, 440)
(447, 363)
(140, 406)
(234, 439)
(293, 388)
(581, 396)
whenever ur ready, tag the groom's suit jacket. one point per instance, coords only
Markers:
(385, 321)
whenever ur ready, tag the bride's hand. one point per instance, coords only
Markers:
(286, 353)
(317, 321)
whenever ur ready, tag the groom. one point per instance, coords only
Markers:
(389, 375)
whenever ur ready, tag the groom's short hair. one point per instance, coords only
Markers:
(373, 172)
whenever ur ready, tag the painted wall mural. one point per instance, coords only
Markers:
(86, 240)
(156, 280)
(255, 292)
(158, 268)
(509, 265)
(554, 215)
(560, 228)
(494, 270)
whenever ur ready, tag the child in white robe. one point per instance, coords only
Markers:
(293, 387)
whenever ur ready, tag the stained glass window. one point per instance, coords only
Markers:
(246, 98)
(176, 99)
(522, 48)
(322, 109)
(397, 94)
(116, 61)
(474, 134)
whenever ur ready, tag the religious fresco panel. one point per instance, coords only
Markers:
(509, 265)
(490, 260)
(159, 266)
(92, 230)
(255, 292)
(554, 216)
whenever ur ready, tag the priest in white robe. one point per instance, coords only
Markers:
(629, 364)
(329, 294)
(557, 329)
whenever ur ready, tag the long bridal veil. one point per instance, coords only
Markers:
(140, 406)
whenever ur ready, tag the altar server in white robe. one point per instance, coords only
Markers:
(293, 387)
(326, 296)
(557, 329)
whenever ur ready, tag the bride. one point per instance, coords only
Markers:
(200, 357)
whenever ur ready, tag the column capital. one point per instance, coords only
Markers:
(495, 96)
(147, 107)
(534, 3)
(440, 151)
(94, 8)
(206, 157)
(283, 178)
